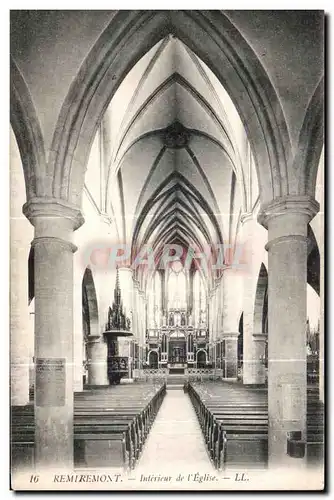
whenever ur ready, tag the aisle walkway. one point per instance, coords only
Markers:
(175, 442)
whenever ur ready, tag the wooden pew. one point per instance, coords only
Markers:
(110, 425)
(232, 429)
(234, 421)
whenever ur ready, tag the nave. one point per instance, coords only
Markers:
(175, 442)
(167, 220)
(206, 426)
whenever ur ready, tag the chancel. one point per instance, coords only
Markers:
(167, 242)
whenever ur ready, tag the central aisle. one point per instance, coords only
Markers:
(175, 441)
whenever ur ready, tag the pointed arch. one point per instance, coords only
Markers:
(311, 143)
(89, 305)
(211, 36)
(313, 261)
(260, 307)
(27, 130)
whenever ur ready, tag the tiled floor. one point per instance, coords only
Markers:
(175, 441)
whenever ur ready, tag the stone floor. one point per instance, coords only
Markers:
(175, 441)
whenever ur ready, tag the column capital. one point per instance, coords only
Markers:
(292, 204)
(260, 337)
(52, 208)
(94, 339)
(62, 243)
(126, 268)
(106, 218)
(229, 335)
(136, 283)
(246, 216)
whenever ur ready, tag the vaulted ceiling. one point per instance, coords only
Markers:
(178, 166)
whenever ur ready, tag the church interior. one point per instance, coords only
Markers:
(167, 238)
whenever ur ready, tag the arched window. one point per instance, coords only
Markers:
(154, 301)
(177, 290)
(199, 295)
(157, 298)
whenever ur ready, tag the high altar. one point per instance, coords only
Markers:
(177, 334)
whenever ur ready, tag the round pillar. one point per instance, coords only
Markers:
(78, 340)
(286, 220)
(21, 328)
(253, 369)
(230, 340)
(126, 285)
(19, 319)
(258, 367)
(54, 223)
(97, 365)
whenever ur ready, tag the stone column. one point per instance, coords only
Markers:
(135, 317)
(259, 372)
(97, 365)
(54, 223)
(321, 224)
(231, 355)
(286, 220)
(21, 336)
(78, 339)
(219, 308)
(213, 315)
(322, 327)
(126, 285)
(253, 369)
(143, 316)
(231, 312)
(218, 323)
(19, 317)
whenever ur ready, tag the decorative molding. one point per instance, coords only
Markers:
(107, 219)
(94, 339)
(245, 217)
(52, 208)
(67, 245)
(91, 199)
(260, 337)
(285, 239)
(229, 335)
(302, 204)
(176, 136)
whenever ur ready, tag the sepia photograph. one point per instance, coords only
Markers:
(167, 250)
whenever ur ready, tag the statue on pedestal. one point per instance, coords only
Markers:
(171, 319)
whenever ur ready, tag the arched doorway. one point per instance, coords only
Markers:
(90, 322)
(201, 357)
(261, 302)
(153, 360)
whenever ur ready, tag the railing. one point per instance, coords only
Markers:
(203, 373)
(177, 360)
(191, 374)
(152, 374)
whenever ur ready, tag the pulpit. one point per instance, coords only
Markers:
(117, 326)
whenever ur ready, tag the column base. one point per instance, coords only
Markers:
(20, 382)
(254, 370)
(230, 370)
(97, 364)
